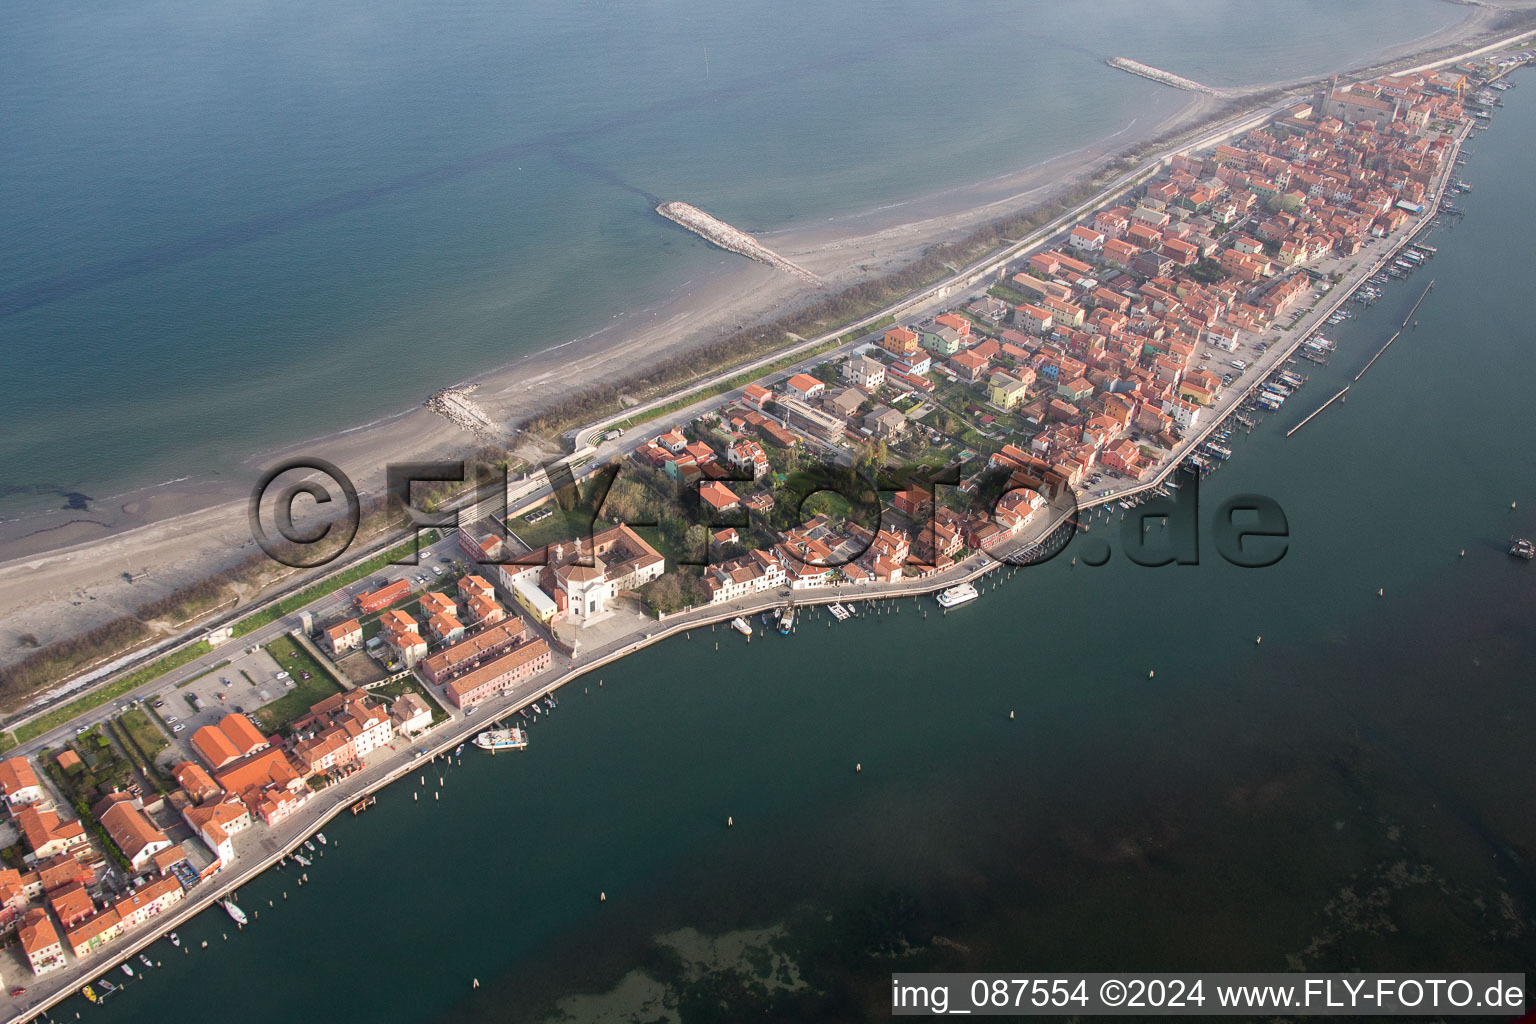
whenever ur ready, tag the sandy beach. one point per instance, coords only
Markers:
(63, 572)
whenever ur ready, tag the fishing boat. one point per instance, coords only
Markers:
(321, 836)
(107, 988)
(1522, 547)
(235, 913)
(89, 993)
(502, 739)
(787, 621)
(303, 861)
(957, 595)
(175, 939)
(146, 961)
(741, 626)
(126, 969)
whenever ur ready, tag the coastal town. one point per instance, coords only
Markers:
(912, 461)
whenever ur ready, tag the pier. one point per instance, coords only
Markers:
(731, 239)
(1398, 333)
(1319, 409)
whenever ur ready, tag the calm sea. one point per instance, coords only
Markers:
(1353, 793)
(227, 229)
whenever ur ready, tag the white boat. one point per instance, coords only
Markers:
(146, 961)
(502, 739)
(302, 860)
(127, 970)
(321, 836)
(309, 846)
(235, 913)
(839, 612)
(741, 626)
(958, 595)
(175, 939)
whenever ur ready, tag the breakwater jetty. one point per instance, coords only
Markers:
(735, 240)
(1158, 75)
(457, 407)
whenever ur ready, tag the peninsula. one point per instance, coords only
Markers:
(1083, 368)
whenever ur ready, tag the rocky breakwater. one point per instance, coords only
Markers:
(732, 239)
(455, 405)
(1159, 75)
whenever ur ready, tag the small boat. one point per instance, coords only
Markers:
(787, 621)
(321, 836)
(1522, 547)
(175, 939)
(309, 846)
(127, 970)
(146, 961)
(552, 702)
(839, 612)
(502, 739)
(741, 626)
(523, 712)
(107, 988)
(302, 860)
(89, 993)
(236, 914)
(549, 704)
(459, 750)
(957, 595)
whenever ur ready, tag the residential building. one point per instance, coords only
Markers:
(499, 675)
(863, 372)
(18, 783)
(344, 637)
(135, 835)
(232, 738)
(40, 942)
(375, 600)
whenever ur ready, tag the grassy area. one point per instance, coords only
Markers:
(559, 526)
(320, 684)
(142, 730)
(58, 716)
(362, 570)
(410, 684)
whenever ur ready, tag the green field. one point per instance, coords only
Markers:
(145, 734)
(296, 701)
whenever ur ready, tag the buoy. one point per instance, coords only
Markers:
(1381, 591)
(1463, 553)
(1511, 505)
(602, 897)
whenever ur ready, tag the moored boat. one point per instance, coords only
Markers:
(957, 595)
(502, 739)
(89, 993)
(787, 621)
(1522, 547)
(741, 626)
(235, 913)
(126, 969)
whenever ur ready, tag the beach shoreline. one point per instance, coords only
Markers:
(63, 572)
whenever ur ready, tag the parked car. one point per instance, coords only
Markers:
(159, 704)
(170, 719)
(178, 727)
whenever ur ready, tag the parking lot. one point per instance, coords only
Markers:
(245, 684)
